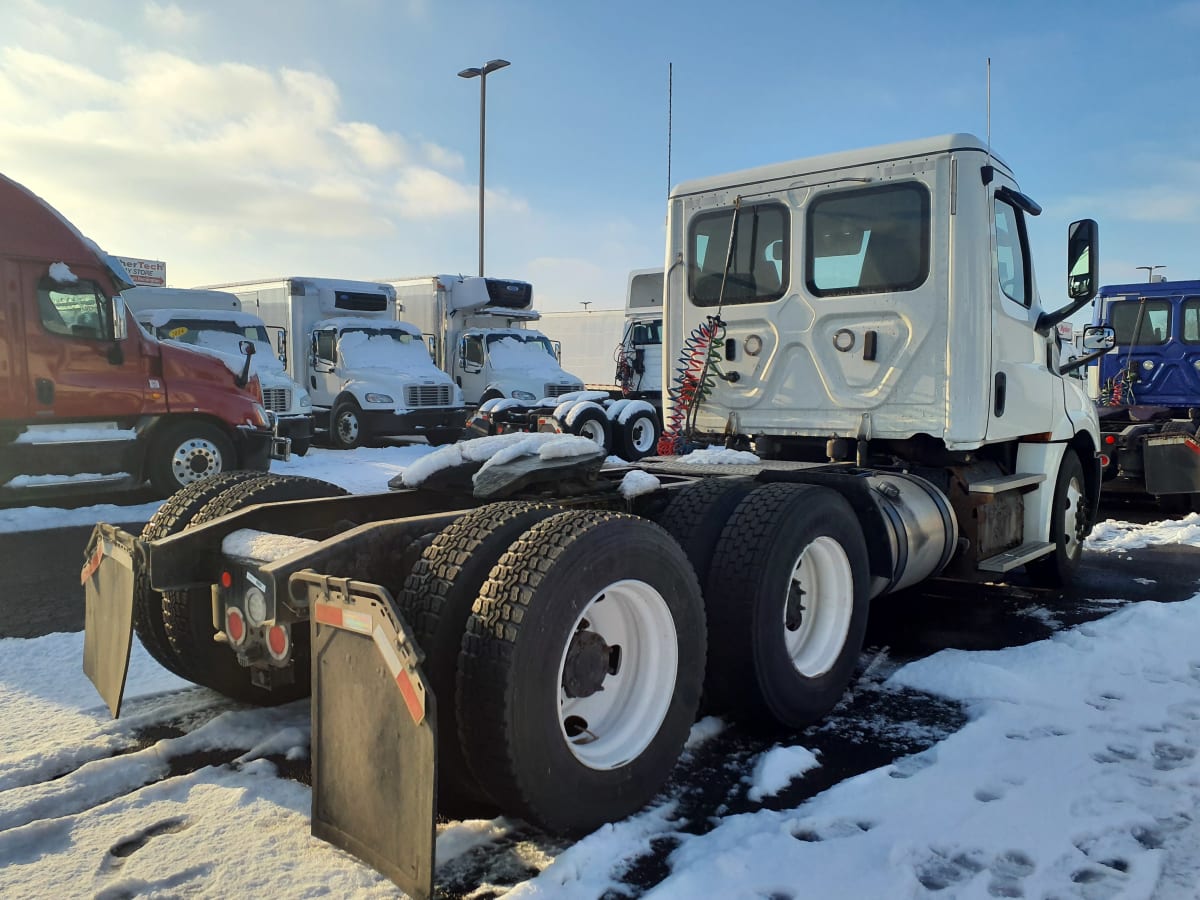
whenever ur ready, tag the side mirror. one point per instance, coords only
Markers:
(1083, 272)
(1083, 259)
(247, 347)
(281, 345)
(431, 342)
(557, 350)
(120, 328)
(1099, 337)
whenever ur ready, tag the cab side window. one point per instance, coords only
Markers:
(326, 348)
(1012, 257)
(77, 309)
(473, 350)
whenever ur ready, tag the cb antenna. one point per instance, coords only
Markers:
(989, 111)
(670, 96)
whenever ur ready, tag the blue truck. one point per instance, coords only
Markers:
(1148, 391)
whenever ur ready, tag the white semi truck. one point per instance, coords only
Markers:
(212, 322)
(368, 373)
(480, 337)
(524, 634)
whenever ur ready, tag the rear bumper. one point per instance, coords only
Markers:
(417, 421)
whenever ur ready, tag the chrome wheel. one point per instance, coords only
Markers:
(194, 459)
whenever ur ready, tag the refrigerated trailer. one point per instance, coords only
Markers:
(518, 626)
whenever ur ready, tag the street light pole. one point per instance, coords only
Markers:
(1150, 271)
(482, 73)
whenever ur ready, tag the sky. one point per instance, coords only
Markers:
(238, 141)
(1072, 772)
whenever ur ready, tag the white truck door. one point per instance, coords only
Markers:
(324, 383)
(1022, 386)
(471, 375)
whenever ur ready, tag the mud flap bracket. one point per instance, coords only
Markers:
(374, 741)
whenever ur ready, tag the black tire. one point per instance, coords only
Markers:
(638, 436)
(515, 646)
(776, 532)
(697, 514)
(187, 615)
(174, 516)
(490, 395)
(186, 452)
(1069, 524)
(440, 436)
(591, 423)
(347, 430)
(436, 601)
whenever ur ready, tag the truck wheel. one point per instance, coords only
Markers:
(580, 670)
(173, 516)
(697, 514)
(638, 437)
(787, 603)
(186, 452)
(592, 424)
(1068, 527)
(187, 615)
(439, 436)
(346, 427)
(436, 601)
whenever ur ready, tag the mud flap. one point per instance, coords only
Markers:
(107, 578)
(1172, 464)
(374, 740)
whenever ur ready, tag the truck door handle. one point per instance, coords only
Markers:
(1001, 391)
(45, 391)
(870, 346)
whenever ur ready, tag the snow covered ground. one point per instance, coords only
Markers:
(1075, 775)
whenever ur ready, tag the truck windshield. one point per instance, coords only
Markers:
(385, 348)
(202, 331)
(1141, 322)
(520, 342)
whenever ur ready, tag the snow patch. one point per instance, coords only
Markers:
(62, 273)
(37, 434)
(496, 450)
(636, 482)
(776, 769)
(719, 456)
(262, 546)
(1111, 535)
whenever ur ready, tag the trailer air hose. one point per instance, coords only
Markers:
(693, 383)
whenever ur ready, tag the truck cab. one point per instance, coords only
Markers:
(640, 360)
(88, 400)
(212, 322)
(509, 363)
(478, 331)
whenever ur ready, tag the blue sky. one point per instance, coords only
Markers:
(255, 139)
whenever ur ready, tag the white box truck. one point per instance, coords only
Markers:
(213, 322)
(480, 338)
(368, 373)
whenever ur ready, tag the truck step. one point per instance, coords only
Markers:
(1003, 483)
(1017, 556)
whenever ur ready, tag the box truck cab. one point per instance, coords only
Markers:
(212, 322)
(88, 400)
(368, 373)
(639, 361)
(479, 336)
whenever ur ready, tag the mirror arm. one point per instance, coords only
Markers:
(1047, 320)
(1080, 361)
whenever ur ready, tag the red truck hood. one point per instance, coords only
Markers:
(201, 382)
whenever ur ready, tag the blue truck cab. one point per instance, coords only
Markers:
(1156, 360)
(1148, 396)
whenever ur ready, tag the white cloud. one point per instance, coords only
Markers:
(169, 18)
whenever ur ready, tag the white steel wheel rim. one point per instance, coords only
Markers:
(622, 718)
(822, 585)
(187, 454)
(347, 426)
(593, 431)
(1072, 516)
(642, 434)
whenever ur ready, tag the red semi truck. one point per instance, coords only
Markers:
(88, 400)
